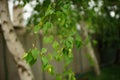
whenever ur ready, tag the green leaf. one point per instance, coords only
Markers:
(49, 11)
(32, 62)
(78, 42)
(44, 50)
(69, 43)
(25, 55)
(44, 60)
(50, 57)
(49, 68)
(65, 51)
(35, 52)
(55, 45)
(58, 77)
(58, 57)
(36, 28)
(95, 42)
(48, 39)
(68, 59)
(47, 26)
(29, 58)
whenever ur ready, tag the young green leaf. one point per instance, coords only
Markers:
(44, 60)
(35, 52)
(44, 50)
(55, 45)
(78, 42)
(29, 58)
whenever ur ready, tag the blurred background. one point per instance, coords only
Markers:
(102, 21)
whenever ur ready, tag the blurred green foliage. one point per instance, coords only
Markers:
(57, 20)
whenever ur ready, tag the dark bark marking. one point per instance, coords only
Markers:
(11, 30)
(3, 11)
(22, 67)
(29, 74)
(18, 59)
(16, 39)
(5, 22)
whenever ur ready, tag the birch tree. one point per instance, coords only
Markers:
(89, 49)
(14, 45)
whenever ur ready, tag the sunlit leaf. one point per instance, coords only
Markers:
(35, 52)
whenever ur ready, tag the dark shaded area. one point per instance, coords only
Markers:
(108, 72)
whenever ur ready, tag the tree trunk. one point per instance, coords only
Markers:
(13, 44)
(89, 48)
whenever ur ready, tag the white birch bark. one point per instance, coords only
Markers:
(15, 47)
